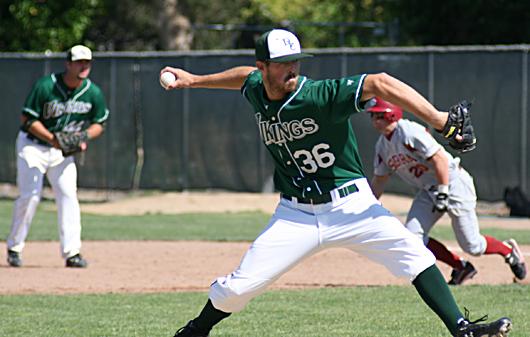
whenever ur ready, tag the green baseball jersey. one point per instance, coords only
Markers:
(62, 109)
(309, 133)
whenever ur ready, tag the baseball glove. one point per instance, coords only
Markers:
(459, 124)
(70, 142)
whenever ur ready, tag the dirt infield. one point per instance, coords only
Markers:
(173, 203)
(157, 266)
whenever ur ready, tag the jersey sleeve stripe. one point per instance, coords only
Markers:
(358, 94)
(245, 84)
(103, 118)
(31, 112)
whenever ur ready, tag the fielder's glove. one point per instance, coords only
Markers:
(70, 142)
(459, 123)
(441, 197)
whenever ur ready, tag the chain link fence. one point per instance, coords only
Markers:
(208, 139)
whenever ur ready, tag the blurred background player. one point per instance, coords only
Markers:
(408, 149)
(59, 102)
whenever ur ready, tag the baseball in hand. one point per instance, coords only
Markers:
(166, 79)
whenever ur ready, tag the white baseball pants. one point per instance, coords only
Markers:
(462, 211)
(33, 161)
(297, 231)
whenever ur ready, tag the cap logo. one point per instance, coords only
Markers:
(279, 45)
(289, 43)
(283, 43)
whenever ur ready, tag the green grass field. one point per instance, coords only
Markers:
(340, 312)
(212, 227)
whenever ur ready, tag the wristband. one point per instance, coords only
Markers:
(443, 189)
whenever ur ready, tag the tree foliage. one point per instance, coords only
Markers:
(457, 22)
(125, 25)
(328, 23)
(28, 25)
(37, 25)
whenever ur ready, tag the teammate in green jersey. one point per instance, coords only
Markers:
(67, 102)
(325, 200)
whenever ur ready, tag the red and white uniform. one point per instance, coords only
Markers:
(406, 153)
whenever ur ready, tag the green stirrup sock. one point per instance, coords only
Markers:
(209, 317)
(432, 288)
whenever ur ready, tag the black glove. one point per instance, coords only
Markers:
(459, 123)
(70, 142)
(441, 198)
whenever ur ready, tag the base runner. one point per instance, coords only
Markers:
(444, 186)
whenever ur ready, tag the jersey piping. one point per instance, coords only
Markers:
(280, 120)
(358, 93)
(304, 79)
(104, 117)
(31, 112)
(63, 109)
(309, 164)
(54, 79)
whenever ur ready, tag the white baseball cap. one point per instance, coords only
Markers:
(79, 52)
(279, 45)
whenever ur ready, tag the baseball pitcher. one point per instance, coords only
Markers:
(61, 114)
(326, 200)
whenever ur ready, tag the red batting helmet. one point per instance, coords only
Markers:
(391, 112)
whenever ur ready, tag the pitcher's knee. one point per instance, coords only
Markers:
(414, 226)
(232, 293)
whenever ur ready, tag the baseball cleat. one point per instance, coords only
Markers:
(190, 330)
(459, 276)
(13, 258)
(516, 259)
(76, 261)
(499, 328)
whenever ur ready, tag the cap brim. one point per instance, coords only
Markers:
(289, 58)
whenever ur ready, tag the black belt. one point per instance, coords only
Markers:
(37, 140)
(324, 198)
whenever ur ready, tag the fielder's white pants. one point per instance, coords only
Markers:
(33, 161)
(462, 211)
(297, 231)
